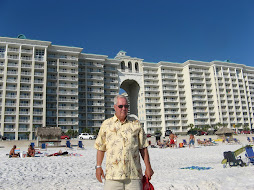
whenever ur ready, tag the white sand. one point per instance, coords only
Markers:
(75, 172)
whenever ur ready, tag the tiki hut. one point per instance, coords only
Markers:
(49, 135)
(225, 133)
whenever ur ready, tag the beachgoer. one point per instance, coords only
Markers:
(30, 151)
(160, 144)
(175, 140)
(192, 140)
(172, 140)
(60, 153)
(12, 152)
(123, 140)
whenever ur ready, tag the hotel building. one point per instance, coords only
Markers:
(59, 86)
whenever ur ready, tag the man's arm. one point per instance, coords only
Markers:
(99, 171)
(145, 155)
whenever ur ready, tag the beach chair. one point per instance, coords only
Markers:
(184, 142)
(232, 160)
(228, 141)
(249, 154)
(43, 146)
(80, 145)
(236, 141)
(68, 144)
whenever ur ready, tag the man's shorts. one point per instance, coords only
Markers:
(192, 142)
(127, 184)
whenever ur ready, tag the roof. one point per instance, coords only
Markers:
(49, 131)
(224, 130)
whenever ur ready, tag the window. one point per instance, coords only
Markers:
(39, 53)
(129, 66)
(2, 49)
(136, 67)
(122, 66)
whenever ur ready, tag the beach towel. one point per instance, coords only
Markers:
(197, 168)
(17, 151)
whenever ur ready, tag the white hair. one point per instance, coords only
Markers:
(119, 96)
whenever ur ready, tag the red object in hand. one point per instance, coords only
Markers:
(146, 184)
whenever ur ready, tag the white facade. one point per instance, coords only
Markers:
(47, 85)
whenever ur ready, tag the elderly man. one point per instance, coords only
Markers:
(123, 140)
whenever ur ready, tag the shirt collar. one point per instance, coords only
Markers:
(115, 119)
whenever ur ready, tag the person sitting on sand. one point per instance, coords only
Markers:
(192, 140)
(12, 152)
(30, 151)
(160, 144)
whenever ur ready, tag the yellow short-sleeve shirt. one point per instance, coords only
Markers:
(122, 142)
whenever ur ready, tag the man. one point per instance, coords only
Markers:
(123, 140)
(31, 151)
(12, 152)
(192, 140)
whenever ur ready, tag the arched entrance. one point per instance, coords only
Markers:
(132, 88)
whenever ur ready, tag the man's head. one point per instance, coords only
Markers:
(121, 107)
(14, 146)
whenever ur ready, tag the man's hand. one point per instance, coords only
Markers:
(99, 174)
(148, 173)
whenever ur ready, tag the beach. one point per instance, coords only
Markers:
(77, 171)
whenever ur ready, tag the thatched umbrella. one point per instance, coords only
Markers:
(49, 135)
(49, 132)
(225, 132)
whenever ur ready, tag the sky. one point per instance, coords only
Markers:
(162, 30)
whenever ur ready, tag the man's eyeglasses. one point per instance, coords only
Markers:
(121, 106)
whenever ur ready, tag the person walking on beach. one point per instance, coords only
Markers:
(12, 152)
(192, 140)
(172, 140)
(123, 140)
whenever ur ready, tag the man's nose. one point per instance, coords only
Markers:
(124, 108)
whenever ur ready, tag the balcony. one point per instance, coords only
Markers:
(37, 121)
(10, 120)
(23, 129)
(23, 121)
(10, 112)
(67, 122)
(6, 129)
(10, 104)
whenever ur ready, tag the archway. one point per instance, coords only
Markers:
(132, 88)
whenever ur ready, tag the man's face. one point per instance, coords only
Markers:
(121, 113)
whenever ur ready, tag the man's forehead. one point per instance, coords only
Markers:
(121, 100)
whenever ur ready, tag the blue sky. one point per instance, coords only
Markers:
(162, 30)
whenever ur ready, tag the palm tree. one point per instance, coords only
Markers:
(190, 126)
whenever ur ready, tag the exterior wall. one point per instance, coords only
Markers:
(47, 85)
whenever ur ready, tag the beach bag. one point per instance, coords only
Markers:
(146, 184)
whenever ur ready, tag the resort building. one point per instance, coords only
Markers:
(59, 86)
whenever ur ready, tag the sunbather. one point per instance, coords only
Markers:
(12, 152)
(60, 153)
(160, 144)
